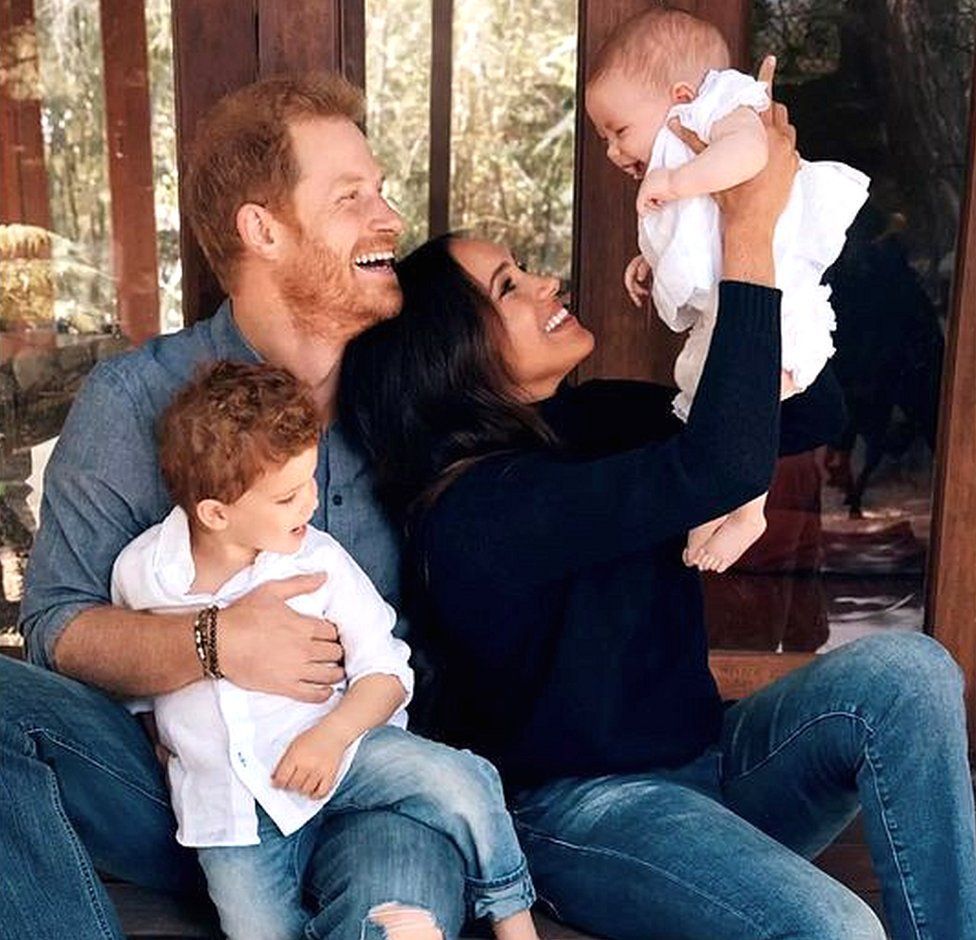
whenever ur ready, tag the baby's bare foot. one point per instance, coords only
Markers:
(698, 539)
(731, 539)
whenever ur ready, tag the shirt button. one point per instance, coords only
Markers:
(336, 499)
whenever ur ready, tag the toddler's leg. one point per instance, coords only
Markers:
(257, 888)
(736, 533)
(459, 794)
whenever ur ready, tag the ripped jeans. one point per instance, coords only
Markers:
(80, 789)
(257, 889)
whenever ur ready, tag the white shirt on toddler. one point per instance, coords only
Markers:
(682, 243)
(226, 741)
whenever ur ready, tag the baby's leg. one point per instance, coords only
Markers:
(459, 794)
(737, 532)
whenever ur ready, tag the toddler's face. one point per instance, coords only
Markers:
(273, 514)
(628, 116)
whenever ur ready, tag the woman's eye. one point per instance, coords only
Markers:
(286, 500)
(507, 285)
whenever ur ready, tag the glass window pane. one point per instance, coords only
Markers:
(883, 87)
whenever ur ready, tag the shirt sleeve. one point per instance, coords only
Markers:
(535, 517)
(94, 504)
(365, 624)
(720, 94)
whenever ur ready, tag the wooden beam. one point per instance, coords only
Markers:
(125, 63)
(221, 45)
(23, 176)
(629, 344)
(951, 588)
(441, 79)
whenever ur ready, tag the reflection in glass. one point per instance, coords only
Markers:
(883, 87)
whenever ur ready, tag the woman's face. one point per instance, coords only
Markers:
(541, 341)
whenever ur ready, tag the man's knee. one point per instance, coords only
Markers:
(913, 663)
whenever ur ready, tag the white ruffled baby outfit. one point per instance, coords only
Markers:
(682, 243)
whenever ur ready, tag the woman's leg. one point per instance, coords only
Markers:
(657, 855)
(880, 723)
(75, 766)
(454, 792)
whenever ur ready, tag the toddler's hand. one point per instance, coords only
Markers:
(636, 276)
(311, 762)
(656, 188)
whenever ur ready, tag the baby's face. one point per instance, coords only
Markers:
(628, 116)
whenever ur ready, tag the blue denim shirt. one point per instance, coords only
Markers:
(103, 485)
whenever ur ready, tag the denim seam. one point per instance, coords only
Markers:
(503, 881)
(610, 853)
(795, 734)
(57, 739)
(81, 860)
(904, 875)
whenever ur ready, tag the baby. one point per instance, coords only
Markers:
(249, 771)
(665, 64)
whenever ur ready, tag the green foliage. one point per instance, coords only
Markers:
(513, 118)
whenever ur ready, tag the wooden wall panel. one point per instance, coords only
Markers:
(630, 344)
(951, 607)
(224, 44)
(130, 166)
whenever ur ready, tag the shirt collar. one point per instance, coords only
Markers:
(229, 342)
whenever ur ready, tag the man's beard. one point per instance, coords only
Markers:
(323, 300)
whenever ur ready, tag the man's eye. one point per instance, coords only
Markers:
(286, 500)
(348, 197)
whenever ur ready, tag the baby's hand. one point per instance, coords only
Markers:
(636, 276)
(656, 189)
(311, 762)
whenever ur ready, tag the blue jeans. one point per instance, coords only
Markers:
(257, 888)
(719, 848)
(81, 789)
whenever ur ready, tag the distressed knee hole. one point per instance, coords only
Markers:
(400, 922)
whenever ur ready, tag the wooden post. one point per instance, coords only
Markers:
(221, 45)
(441, 78)
(130, 167)
(23, 177)
(951, 592)
(632, 345)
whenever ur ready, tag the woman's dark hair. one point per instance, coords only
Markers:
(426, 393)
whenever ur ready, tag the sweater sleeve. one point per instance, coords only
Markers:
(536, 517)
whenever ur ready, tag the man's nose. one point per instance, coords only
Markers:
(387, 218)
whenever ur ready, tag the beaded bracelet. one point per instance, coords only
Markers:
(205, 640)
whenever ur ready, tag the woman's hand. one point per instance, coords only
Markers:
(750, 210)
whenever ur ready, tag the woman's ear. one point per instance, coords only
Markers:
(211, 514)
(682, 93)
(259, 230)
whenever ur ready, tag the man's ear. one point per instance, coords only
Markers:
(682, 93)
(211, 513)
(259, 230)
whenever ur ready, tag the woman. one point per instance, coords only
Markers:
(545, 528)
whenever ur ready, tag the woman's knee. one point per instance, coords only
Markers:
(841, 916)
(912, 663)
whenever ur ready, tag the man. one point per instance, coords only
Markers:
(286, 200)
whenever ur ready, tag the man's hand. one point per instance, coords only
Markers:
(264, 645)
(311, 762)
(657, 188)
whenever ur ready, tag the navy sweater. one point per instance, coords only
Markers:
(566, 633)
